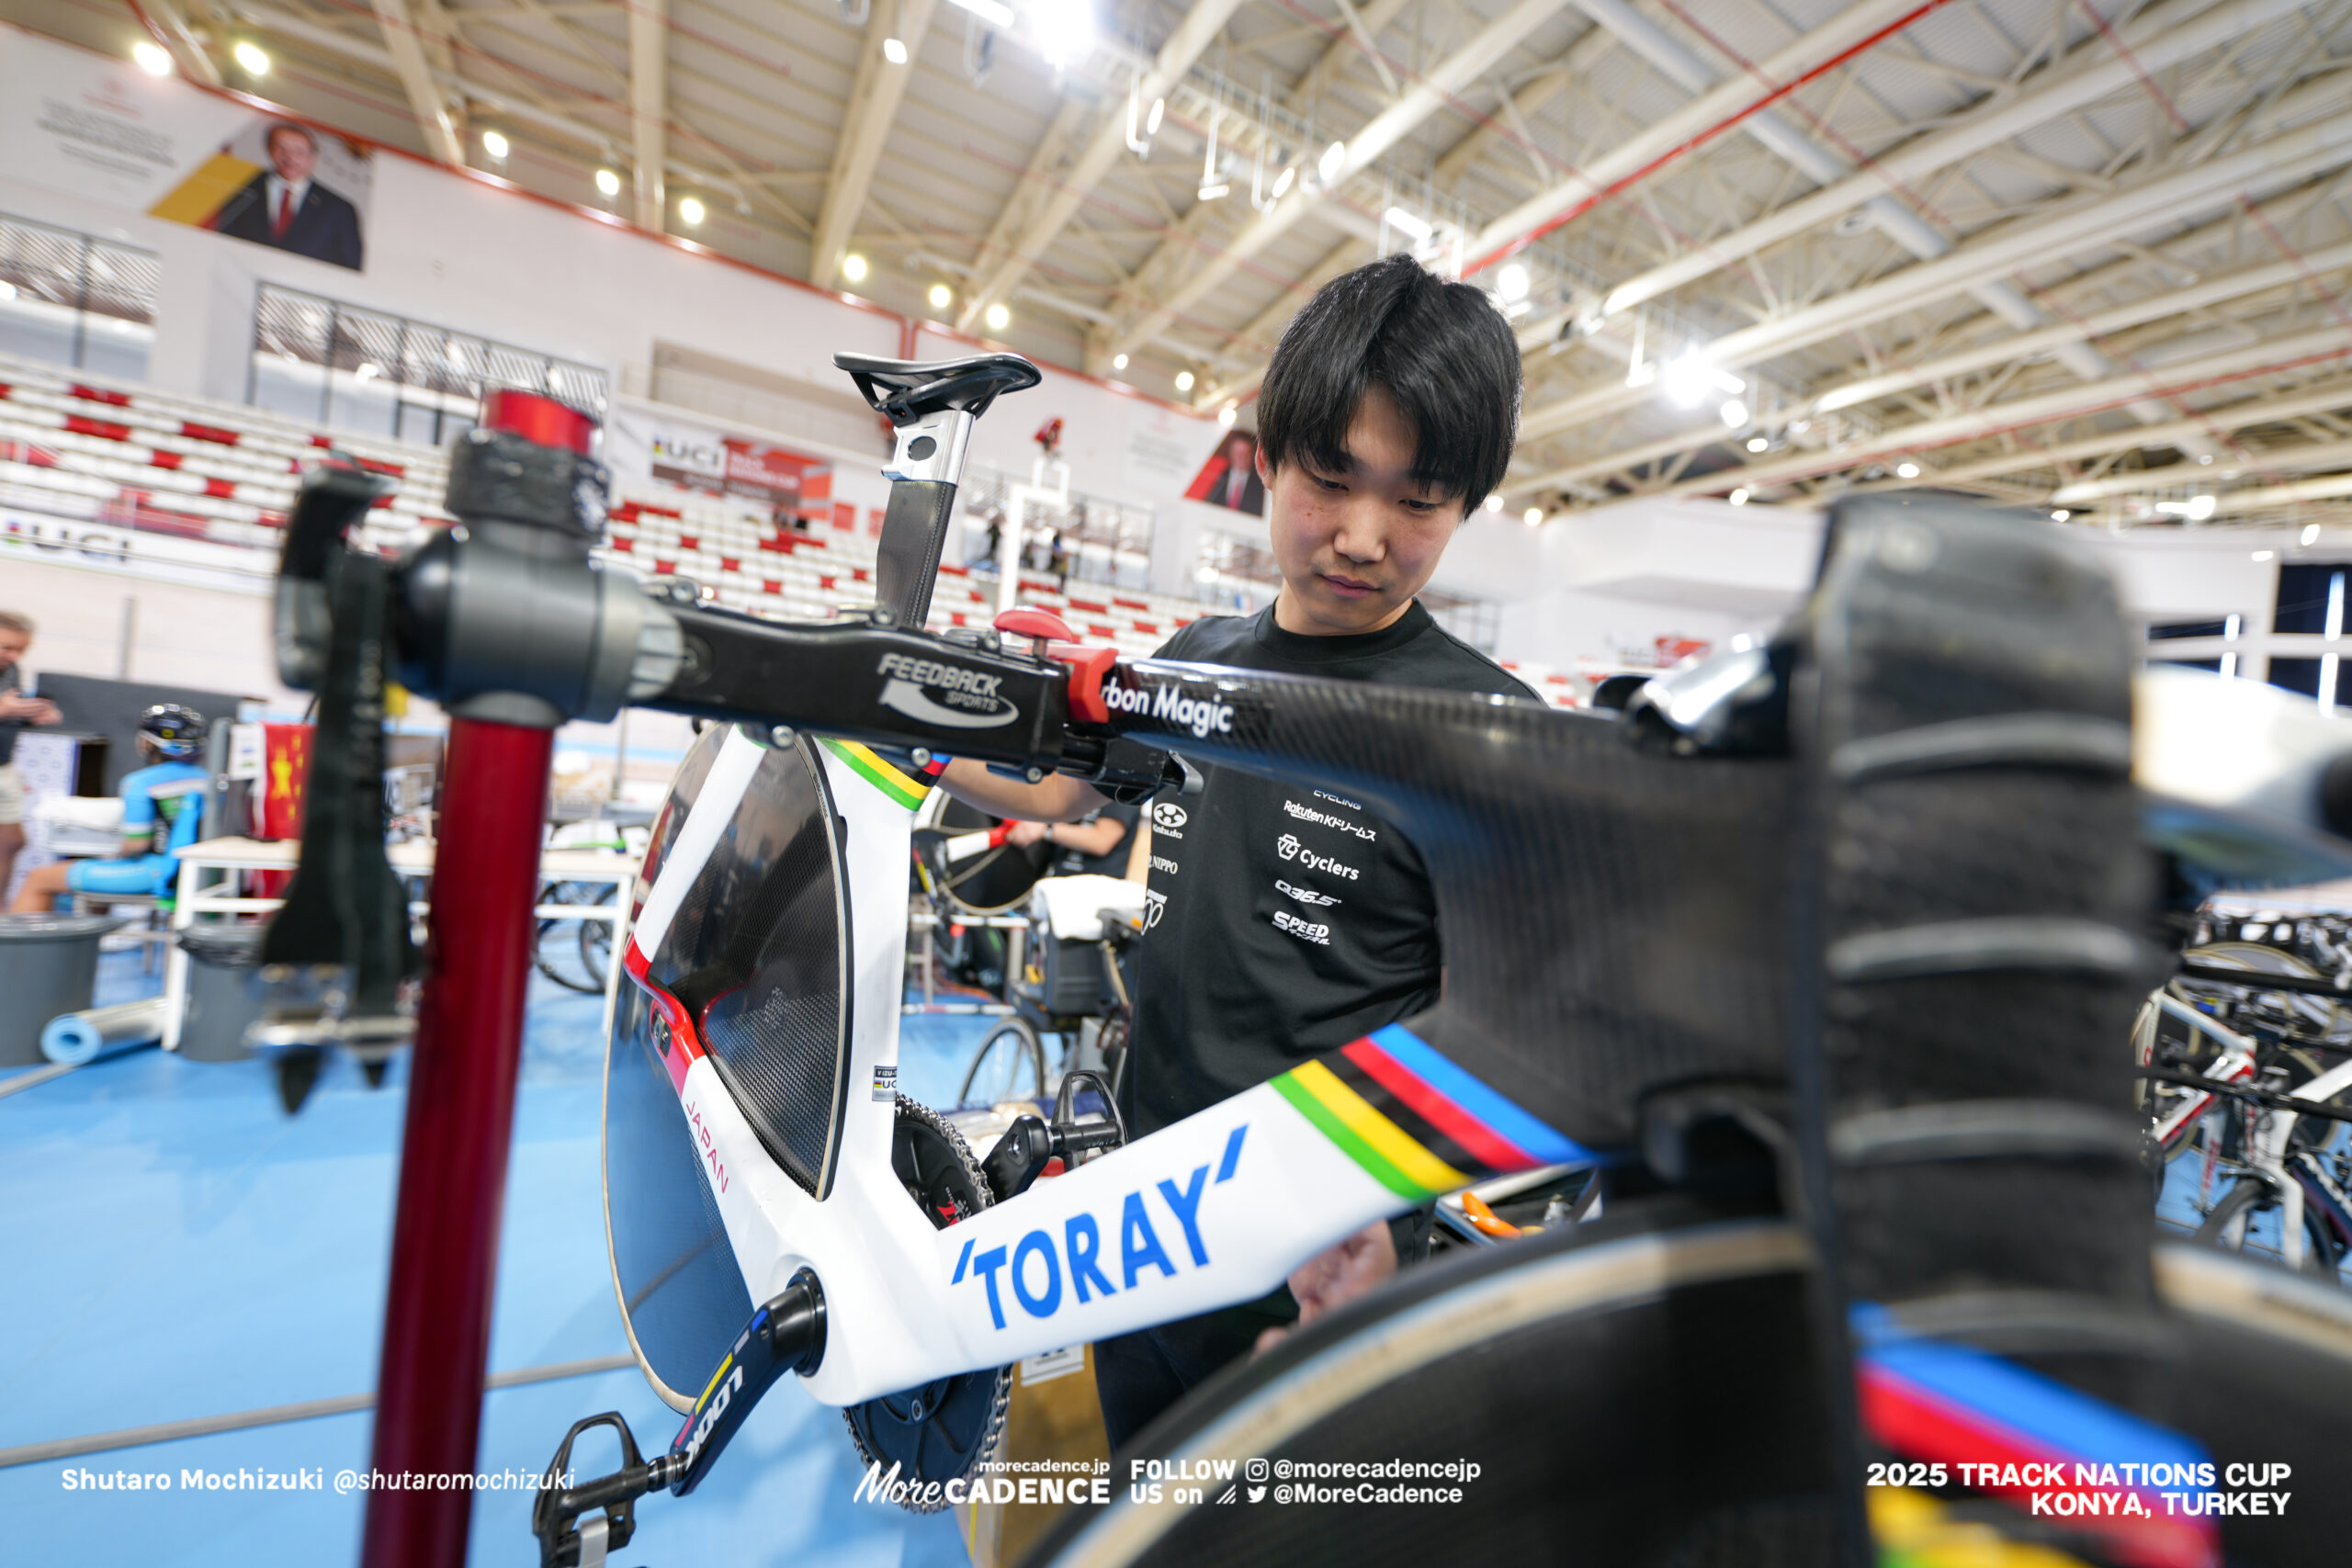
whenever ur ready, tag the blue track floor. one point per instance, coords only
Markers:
(176, 1247)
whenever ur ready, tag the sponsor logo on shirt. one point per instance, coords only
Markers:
(1287, 921)
(948, 694)
(1168, 814)
(1337, 800)
(1304, 895)
(1308, 813)
(1167, 705)
(1154, 906)
(1289, 848)
(1161, 863)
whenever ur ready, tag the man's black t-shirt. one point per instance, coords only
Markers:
(1283, 921)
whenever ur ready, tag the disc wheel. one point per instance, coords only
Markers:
(948, 1427)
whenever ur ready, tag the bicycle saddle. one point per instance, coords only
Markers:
(904, 391)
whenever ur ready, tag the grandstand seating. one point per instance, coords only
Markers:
(79, 448)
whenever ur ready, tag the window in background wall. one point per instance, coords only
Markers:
(75, 299)
(352, 369)
(2311, 603)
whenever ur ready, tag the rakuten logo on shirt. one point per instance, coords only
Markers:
(1308, 813)
(1289, 848)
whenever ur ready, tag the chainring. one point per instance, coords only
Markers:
(948, 1427)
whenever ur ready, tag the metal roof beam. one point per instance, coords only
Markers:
(649, 109)
(2309, 349)
(1067, 188)
(2158, 39)
(1681, 132)
(1430, 91)
(2282, 159)
(865, 125)
(416, 73)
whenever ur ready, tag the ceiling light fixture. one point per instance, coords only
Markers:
(941, 296)
(1334, 159)
(1757, 443)
(2264, 555)
(1410, 224)
(494, 143)
(1118, 362)
(999, 317)
(2311, 534)
(608, 184)
(1228, 414)
(993, 12)
(1533, 516)
(1183, 380)
(152, 57)
(1737, 497)
(854, 267)
(691, 211)
(1512, 283)
(1284, 183)
(1065, 29)
(1907, 470)
(1733, 412)
(2059, 515)
(1495, 501)
(894, 50)
(252, 57)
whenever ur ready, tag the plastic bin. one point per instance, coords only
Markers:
(49, 965)
(221, 1001)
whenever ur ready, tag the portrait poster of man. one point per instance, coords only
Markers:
(1229, 479)
(281, 183)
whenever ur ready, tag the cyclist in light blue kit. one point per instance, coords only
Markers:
(163, 813)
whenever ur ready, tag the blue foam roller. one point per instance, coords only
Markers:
(77, 1039)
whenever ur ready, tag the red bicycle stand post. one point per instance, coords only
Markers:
(454, 1149)
(461, 1122)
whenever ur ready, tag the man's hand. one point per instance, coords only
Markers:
(1021, 835)
(1337, 1274)
(27, 710)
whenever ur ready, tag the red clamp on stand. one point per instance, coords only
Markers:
(1050, 637)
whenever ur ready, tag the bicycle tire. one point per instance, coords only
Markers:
(1027, 1046)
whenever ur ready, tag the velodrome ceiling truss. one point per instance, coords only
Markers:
(2080, 255)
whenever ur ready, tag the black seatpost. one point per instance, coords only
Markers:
(931, 406)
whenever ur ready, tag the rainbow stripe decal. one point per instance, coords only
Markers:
(1417, 1123)
(876, 769)
(1953, 1404)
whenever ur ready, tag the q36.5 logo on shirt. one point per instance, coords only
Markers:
(1304, 895)
(1289, 848)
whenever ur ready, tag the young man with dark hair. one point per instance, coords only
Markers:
(1287, 921)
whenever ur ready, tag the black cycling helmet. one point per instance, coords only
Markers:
(174, 731)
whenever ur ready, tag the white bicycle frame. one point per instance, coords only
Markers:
(1217, 1209)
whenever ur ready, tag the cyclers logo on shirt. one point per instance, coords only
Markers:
(1167, 705)
(946, 694)
(1287, 921)
(1289, 848)
(1308, 813)
(1304, 895)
